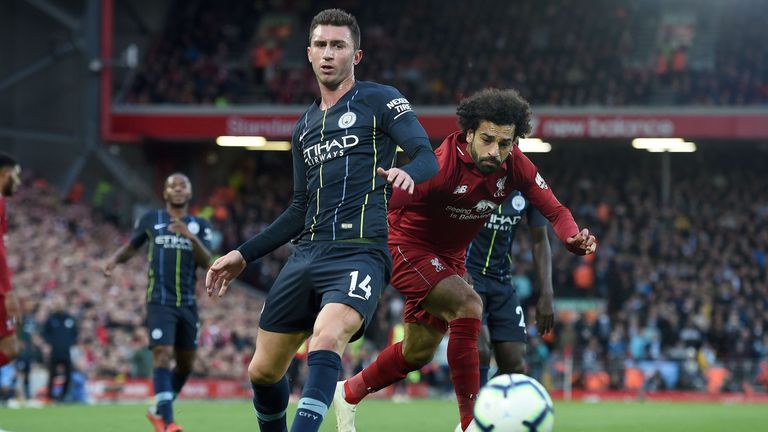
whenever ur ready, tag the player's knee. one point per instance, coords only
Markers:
(471, 305)
(10, 350)
(260, 375)
(485, 354)
(161, 357)
(515, 365)
(328, 341)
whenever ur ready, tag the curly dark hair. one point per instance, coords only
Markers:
(503, 107)
(338, 18)
(7, 161)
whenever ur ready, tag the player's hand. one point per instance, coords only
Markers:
(468, 278)
(223, 271)
(582, 243)
(179, 227)
(398, 178)
(12, 307)
(545, 314)
(107, 267)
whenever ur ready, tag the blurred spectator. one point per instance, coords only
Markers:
(60, 332)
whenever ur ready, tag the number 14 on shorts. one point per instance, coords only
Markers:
(355, 288)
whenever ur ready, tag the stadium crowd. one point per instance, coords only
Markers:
(56, 248)
(563, 53)
(680, 286)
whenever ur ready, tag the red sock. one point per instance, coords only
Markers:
(4, 360)
(388, 368)
(464, 361)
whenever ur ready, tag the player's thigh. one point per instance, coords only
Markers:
(352, 277)
(161, 322)
(187, 329)
(334, 327)
(452, 297)
(273, 355)
(291, 305)
(506, 318)
(420, 343)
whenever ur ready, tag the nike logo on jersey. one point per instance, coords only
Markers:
(160, 226)
(461, 189)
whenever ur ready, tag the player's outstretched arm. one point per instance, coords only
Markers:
(123, 254)
(582, 243)
(223, 271)
(542, 262)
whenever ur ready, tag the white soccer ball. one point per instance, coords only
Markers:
(514, 403)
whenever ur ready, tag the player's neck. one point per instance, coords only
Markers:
(176, 212)
(329, 97)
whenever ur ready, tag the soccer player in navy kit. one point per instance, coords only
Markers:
(344, 149)
(489, 270)
(178, 243)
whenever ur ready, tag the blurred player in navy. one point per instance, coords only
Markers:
(344, 149)
(489, 271)
(430, 231)
(10, 179)
(178, 243)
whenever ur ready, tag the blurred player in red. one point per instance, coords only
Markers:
(429, 234)
(9, 308)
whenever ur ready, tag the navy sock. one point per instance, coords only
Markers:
(177, 382)
(270, 402)
(484, 375)
(324, 368)
(161, 378)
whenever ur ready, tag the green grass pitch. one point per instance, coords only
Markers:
(381, 416)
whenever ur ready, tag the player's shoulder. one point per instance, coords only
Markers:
(379, 93)
(203, 222)
(152, 216)
(304, 117)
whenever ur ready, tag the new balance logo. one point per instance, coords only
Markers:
(460, 190)
(438, 265)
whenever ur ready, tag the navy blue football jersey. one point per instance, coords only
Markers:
(489, 254)
(338, 151)
(172, 265)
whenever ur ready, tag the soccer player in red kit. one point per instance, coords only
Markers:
(9, 308)
(429, 234)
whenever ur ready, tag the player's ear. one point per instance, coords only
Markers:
(358, 57)
(470, 134)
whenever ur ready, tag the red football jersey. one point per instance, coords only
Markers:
(445, 213)
(5, 274)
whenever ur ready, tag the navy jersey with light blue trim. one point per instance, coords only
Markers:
(339, 150)
(172, 266)
(489, 254)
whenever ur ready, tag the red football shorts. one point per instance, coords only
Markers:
(7, 325)
(415, 271)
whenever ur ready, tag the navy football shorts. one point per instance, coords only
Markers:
(171, 325)
(318, 273)
(502, 312)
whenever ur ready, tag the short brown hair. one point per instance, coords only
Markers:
(338, 18)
